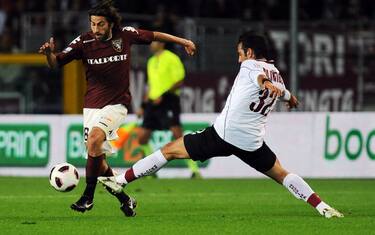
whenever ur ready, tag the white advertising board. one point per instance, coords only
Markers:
(329, 145)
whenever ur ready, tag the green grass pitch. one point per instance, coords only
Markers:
(178, 206)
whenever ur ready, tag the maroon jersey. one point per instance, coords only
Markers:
(107, 64)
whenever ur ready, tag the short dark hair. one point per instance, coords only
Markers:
(257, 42)
(106, 9)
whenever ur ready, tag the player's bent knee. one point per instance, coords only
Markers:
(281, 176)
(94, 143)
(277, 172)
(172, 151)
(94, 140)
(167, 151)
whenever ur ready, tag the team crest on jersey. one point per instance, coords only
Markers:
(117, 45)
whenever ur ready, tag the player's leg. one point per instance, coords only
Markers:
(200, 146)
(192, 165)
(127, 204)
(300, 189)
(95, 159)
(148, 165)
(144, 135)
(265, 161)
(149, 124)
(111, 118)
(100, 126)
(94, 162)
(176, 131)
(152, 163)
(143, 138)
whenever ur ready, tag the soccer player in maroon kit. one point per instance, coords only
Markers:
(105, 53)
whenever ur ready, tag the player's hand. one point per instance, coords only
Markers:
(190, 47)
(48, 47)
(274, 91)
(292, 103)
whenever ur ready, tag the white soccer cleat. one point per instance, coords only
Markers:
(332, 212)
(111, 183)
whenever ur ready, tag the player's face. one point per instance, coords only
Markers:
(100, 27)
(242, 55)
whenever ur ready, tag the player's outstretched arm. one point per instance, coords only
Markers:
(48, 49)
(187, 44)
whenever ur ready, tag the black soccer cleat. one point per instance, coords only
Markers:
(129, 207)
(83, 204)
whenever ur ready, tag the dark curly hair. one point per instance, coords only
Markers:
(106, 9)
(255, 41)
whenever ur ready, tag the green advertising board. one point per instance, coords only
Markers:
(24, 144)
(352, 143)
(129, 150)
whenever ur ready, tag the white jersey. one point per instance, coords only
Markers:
(243, 119)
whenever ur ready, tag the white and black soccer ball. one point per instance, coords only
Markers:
(64, 177)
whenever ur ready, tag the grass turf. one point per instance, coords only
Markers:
(170, 206)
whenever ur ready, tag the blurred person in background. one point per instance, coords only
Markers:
(161, 107)
(105, 53)
(10, 74)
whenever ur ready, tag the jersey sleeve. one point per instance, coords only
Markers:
(253, 71)
(138, 36)
(72, 52)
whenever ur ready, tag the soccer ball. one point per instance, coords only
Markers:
(64, 177)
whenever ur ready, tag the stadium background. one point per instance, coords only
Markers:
(325, 51)
(335, 56)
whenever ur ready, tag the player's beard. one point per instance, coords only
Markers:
(104, 37)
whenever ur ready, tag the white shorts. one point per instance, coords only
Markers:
(109, 119)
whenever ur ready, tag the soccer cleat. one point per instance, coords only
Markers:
(129, 207)
(83, 204)
(111, 183)
(332, 212)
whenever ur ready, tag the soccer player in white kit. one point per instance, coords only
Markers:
(239, 130)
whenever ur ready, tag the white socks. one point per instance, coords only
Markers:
(301, 190)
(297, 186)
(145, 166)
(121, 179)
(149, 164)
